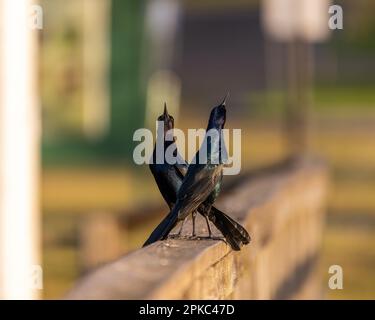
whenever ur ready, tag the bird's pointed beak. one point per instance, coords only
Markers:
(223, 103)
(166, 115)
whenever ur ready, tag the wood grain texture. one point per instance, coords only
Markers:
(283, 212)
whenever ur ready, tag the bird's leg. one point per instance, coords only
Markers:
(208, 227)
(182, 225)
(193, 215)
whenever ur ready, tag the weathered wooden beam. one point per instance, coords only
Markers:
(283, 211)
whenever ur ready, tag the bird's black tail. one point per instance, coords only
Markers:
(234, 233)
(164, 227)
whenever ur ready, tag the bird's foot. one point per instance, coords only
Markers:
(195, 237)
(211, 237)
(174, 236)
(218, 239)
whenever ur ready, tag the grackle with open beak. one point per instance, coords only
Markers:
(169, 179)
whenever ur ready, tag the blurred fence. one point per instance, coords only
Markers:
(283, 209)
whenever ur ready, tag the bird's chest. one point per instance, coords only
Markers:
(217, 176)
(166, 178)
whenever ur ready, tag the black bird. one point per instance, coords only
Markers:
(169, 180)
(168, 177)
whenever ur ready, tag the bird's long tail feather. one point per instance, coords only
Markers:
(234, 233)
(164, 227)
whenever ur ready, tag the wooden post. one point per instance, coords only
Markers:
(299, 24)
(299, 95)
(19, 149)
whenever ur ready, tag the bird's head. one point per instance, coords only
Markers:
(167, 119)
(218, 115)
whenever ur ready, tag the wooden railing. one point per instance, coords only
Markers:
(283, 210)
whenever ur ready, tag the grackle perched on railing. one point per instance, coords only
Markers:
(169, 177)
(199, 189)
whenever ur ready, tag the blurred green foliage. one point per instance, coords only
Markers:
(64, 141)
(127, 85)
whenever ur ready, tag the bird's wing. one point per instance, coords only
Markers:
(198, 184)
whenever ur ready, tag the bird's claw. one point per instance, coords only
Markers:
(174, 236)
(211, 237)
(218, 238)
(193, 237)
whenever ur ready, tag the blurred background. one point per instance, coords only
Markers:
(104, 69)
